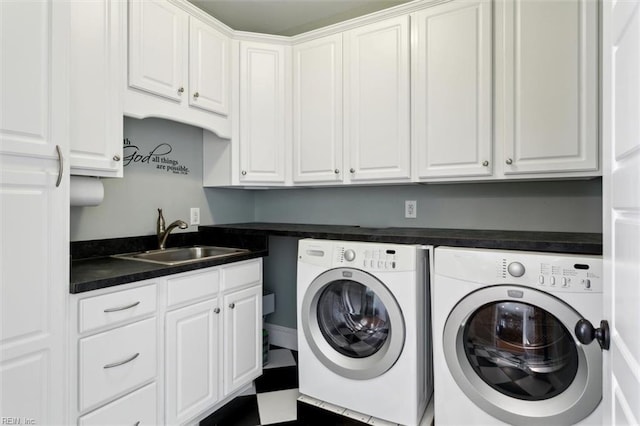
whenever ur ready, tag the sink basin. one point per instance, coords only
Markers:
(180, 255)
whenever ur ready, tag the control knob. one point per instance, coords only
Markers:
(349, 255)
(516, 269)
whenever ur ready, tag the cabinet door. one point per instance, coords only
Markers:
(548, 106)
(317, 106)
(242, 337)
(208, 68)
(452, 89)
(158, 44)
(192, 360)
(97, 47)
(34, 211)
(262, 113)
(377, 101)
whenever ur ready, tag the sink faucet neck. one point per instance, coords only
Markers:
(163, 232)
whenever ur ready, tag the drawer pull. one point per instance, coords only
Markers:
(119, 363)
(137, 423)
(122, 308)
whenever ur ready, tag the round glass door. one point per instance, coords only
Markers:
(512, 351)
(352, 323)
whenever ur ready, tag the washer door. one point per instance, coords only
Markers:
(512, 351)
(352, 323)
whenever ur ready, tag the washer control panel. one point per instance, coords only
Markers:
(548, 271)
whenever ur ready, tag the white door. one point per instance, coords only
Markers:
(262, 113)
(242, 337)
(158, 48)
(546, 85)
(377, 101)
(192, 360)
(451, 75)
(34, 211)
(621, 203)
(317, 109)
(208, 68)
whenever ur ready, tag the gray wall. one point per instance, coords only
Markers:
(129, 206)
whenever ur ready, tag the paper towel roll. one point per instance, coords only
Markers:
(86, 191)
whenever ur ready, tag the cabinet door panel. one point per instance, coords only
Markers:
(208, 68)
(452, 89)
(242, 337)
(262, 113)
(192, 360)
(550, 86)
(377, 103)
(158, 48)
(317, 106)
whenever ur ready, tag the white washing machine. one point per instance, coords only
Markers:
(508, 327)
(363, 324)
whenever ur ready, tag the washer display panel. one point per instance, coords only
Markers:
(520, 350)
(352, 323)
(353, 319)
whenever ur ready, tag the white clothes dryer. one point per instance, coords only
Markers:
(363, 327)
(507, 349)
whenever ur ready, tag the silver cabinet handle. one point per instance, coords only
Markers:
(119, 363)
(137, 423)
(216, 310)
(122, 308)
(509, 161)
(352, 170)
(116, 157)
(60, 165)
(196, 95)
(244, 173)
(181, 90)
(336, 171)
(485, 163)
(232, 305)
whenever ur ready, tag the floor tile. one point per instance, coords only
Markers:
(275, 379)
(241, 411)
(280, 358)
(278, 406)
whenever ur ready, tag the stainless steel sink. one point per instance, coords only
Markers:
(180, 255)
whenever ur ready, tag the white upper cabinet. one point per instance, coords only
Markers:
(547, 77)
(451, 93)
(97, 48)
(377, 101)
(178, 65)
(262, 121)
(158, 48)
(317, 111)
(208, 68)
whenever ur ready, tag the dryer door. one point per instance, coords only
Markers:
(352, 323)
(513, 352)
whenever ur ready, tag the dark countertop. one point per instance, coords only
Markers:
(92, 268)
(560, 242)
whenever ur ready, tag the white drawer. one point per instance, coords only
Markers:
(114, 308)
(115, 361)
(241, 274)
(193, 286)
(137, 408)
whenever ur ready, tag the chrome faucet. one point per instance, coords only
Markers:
(164, 233)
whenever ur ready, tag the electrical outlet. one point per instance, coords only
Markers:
(410, 209)
(195, 216)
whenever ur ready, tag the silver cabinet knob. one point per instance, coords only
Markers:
(509, 161)
(181, 90)
(216, 310)
(244, 173)
(232, 305)
(116, 157)
(336, 171)
(485, 163)
(352, 170)
(196, 95)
